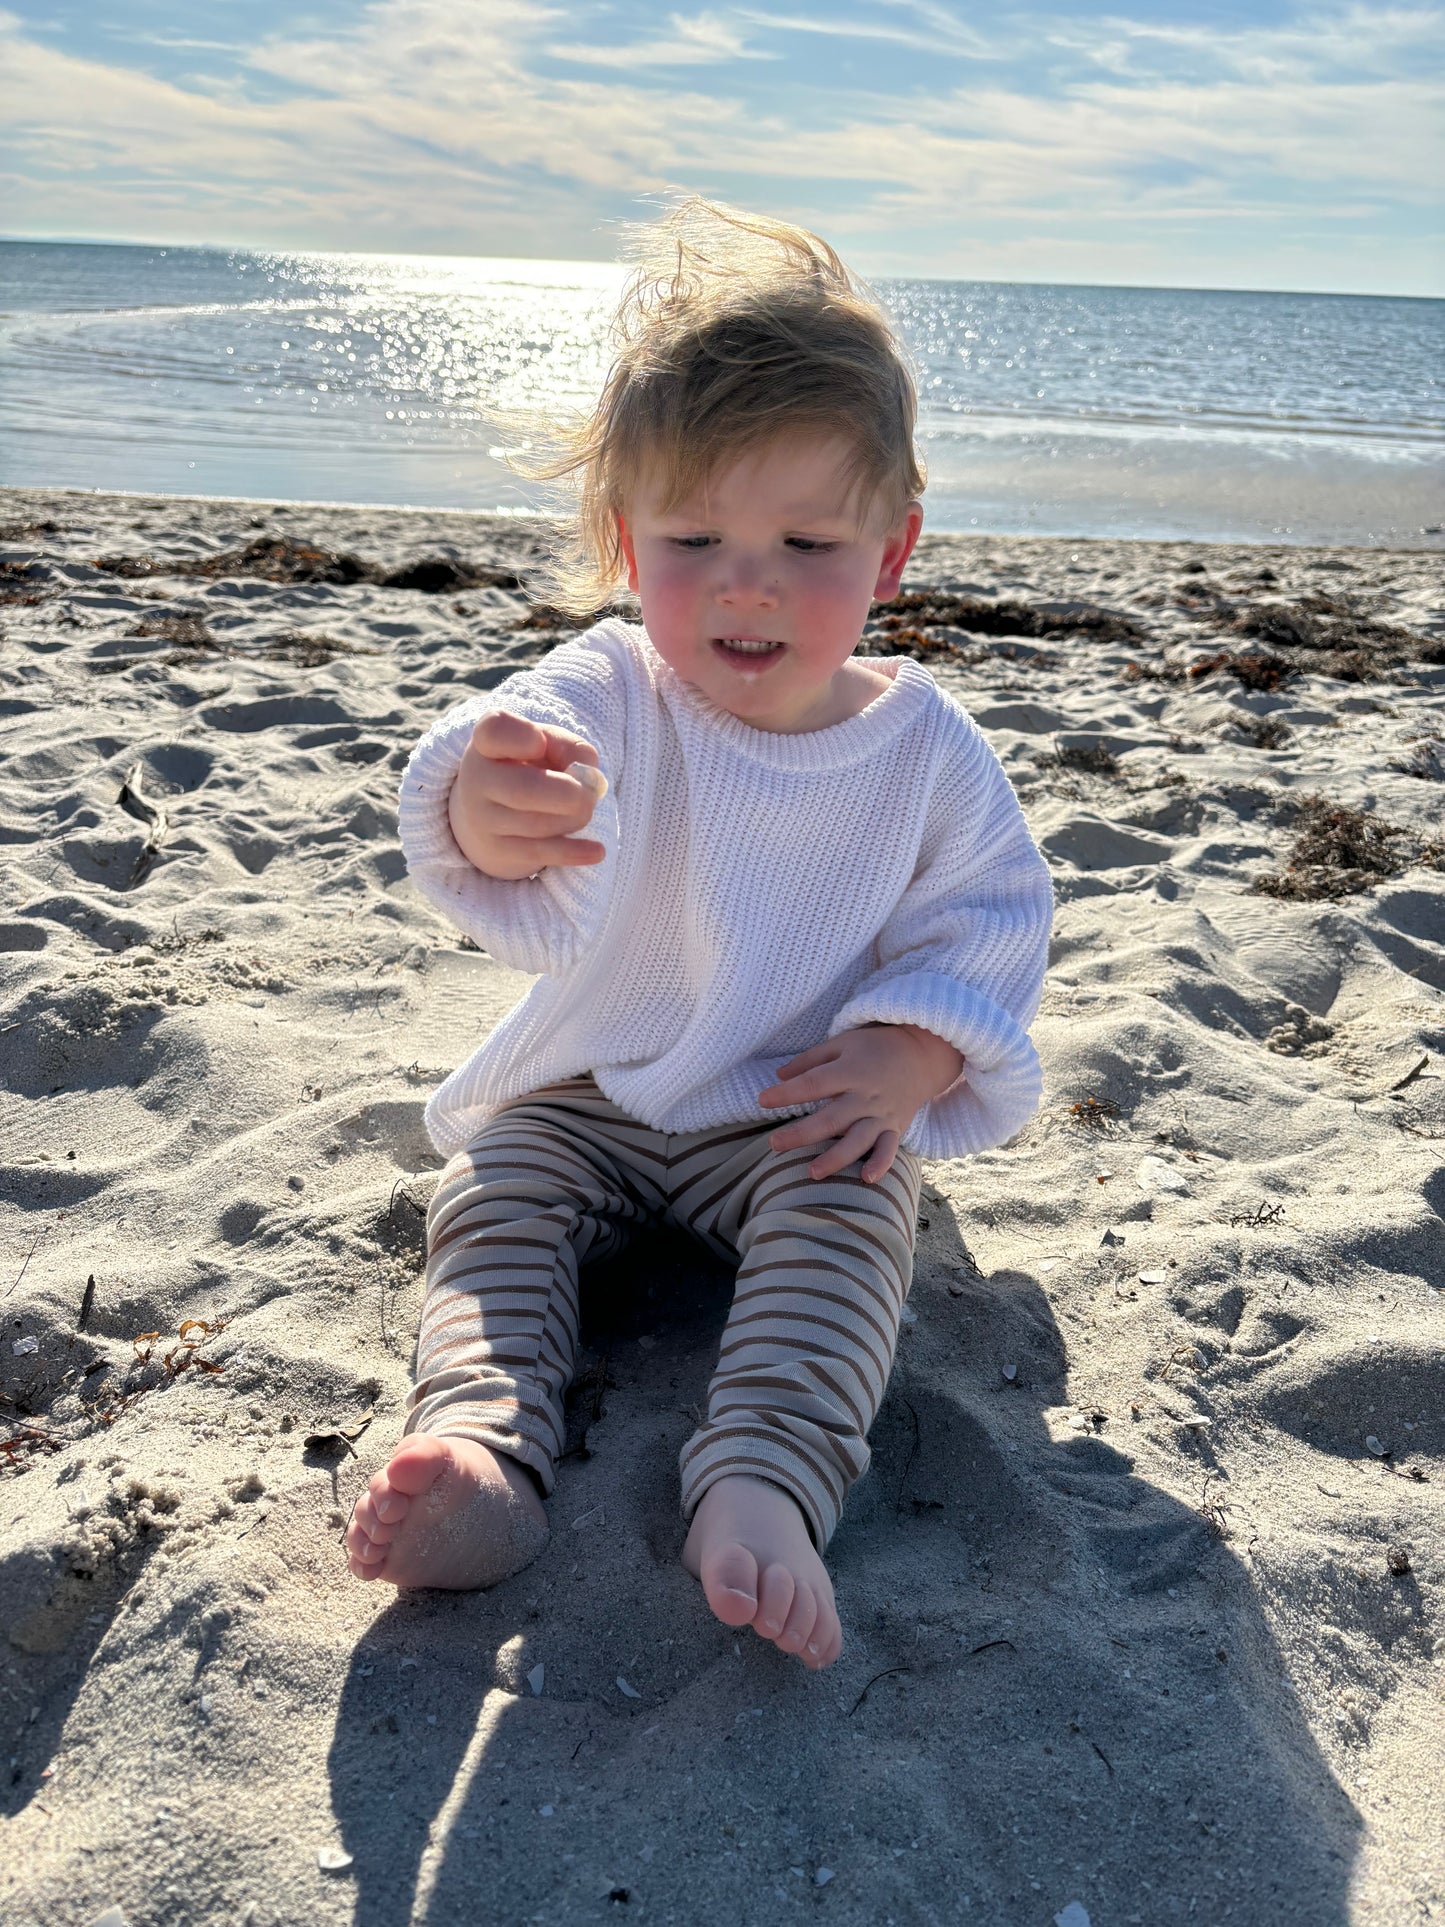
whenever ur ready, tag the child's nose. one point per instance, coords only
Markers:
(745, 587)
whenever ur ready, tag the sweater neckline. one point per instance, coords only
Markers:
(891, 710)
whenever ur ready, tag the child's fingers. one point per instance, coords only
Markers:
(809, 1087)
(881, 1157)
(816, 1128)
(541, 852)
(531, 791)
(509, 738)
(856, 1142)
(807, 1060)
(564, 749)
(502, 737)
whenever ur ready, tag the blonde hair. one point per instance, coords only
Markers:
(733, 329)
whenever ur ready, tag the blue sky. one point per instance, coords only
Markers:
(1187, 144)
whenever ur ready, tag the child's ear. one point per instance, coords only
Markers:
(629, 553)
(896, 551)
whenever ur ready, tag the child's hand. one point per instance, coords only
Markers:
(877, 1079)
(520, 792)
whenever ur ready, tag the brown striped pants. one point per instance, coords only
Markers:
(562, 1175)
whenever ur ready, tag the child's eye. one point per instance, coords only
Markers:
(809, 545)
(691, 541)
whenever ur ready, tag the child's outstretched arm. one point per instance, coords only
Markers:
(493, 797)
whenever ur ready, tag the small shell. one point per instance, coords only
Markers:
(1372, 1444)
(535, 1679)
(333, 1859)
(627, 1692)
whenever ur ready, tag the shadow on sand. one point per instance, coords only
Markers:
(1057, 1682)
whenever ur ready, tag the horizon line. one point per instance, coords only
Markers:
(392, 254)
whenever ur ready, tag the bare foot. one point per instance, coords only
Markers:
(446, 1512)
(751, 1550)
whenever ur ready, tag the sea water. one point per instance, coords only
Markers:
(406, 380)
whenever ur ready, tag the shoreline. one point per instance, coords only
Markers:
(1431, 540)
(131, 500)
(1144, 1592)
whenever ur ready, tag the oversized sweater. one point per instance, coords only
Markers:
(760, 893)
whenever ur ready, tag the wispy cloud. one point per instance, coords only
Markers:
(936, 32)
(185, 44)
(1349, 43)
(1147, 149)
(703, 40)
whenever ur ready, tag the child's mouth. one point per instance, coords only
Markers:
(750, 654)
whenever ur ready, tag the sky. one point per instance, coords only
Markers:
(1177, 143)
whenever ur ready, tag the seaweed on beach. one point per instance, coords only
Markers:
(917, 611)
(1258, 672)
(1338, 852)
(283, 559)
(22, 531)
(19, 583)
(1094, 759)
(1316, 634)
(1425, 761)
(193, 642)
(542, 616)
(189, 631)
(1264, 732)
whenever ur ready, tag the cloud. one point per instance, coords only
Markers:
(702, 40)
(1348, 42)
(421, 124)
(936, 33)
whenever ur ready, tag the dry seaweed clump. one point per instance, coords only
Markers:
(1339, 851)
(1094, 759)
(1315, 634)
(1426, 759)
(925, 622)
(283, 559)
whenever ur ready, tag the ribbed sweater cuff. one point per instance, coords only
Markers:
(1002, 1081)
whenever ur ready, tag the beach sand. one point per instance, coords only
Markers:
(1143, 1593)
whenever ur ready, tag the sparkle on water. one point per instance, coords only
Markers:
(383, 378)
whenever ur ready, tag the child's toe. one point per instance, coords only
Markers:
(390, 1507)
(775, 1600)
(364, 1556)
(366, 1524)
(730, 1581)
(416, 1465)
(825, 1643)
(802, 1617)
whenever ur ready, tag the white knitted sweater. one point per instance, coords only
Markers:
(760, 893)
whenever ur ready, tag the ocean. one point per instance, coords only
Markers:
(393, 379)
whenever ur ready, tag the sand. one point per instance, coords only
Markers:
(1143, 1593)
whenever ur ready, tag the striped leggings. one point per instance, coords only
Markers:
(562, 1175)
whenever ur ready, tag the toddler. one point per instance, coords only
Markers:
(787, 921)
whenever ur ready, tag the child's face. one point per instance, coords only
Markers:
(771, 553)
